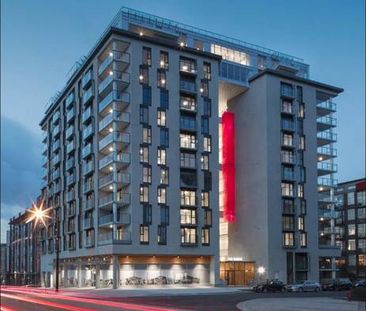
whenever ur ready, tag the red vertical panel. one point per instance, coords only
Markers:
(228, 165)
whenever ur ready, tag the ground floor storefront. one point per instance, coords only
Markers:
(119, 271)
(237, 273)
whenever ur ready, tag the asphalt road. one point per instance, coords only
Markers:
(29, 300)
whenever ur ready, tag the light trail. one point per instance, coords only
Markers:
(5, 308)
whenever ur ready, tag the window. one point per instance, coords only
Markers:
(146, 174)
(164, 60)
(205, 236)
(188, 122)
(301, 223)
(188, 85)
(144, 234)
(230, 54)
(146, 56)
(187, 198)
(204, 162)
(187, 141)
(162, 235)
(299, 96)
(144, 75)
(361, 198)
(146, 95)
(287, 140)
(205, 199)
(146, 135)
(288, 172)
(187, 160)
(207, 217)
(164, 137)
(207, 107)
(300, 191)
(207, 180)
(361, 230)
(204, 125)
(351, 260)
(288, 239)
(187, 103)
(164, 176)
(288, 206)
(144, 154)
(302, 143)
(164, 99)
(207, 71)
(287, 90)
(161, 195)
(300, 156)
(351, 229)
(362, 261)
(287, 189)
(188, 235)
(302, 177)
(207, 144)
(161, 118)
(286, 107)
(303, 207)
(161, 78)
(161, 156)
(144, 115)
(288, 223)
(204, 88)
(164, 215)
(147, 214)
(361, 213)
(351, 245)
(362, 245)
(351, 215)
(350, 198)
(188, 217)
(287, 156)
(187, 65)
(188, 178)
(144, 194)
(303, 239)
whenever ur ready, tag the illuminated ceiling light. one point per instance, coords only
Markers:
(111, 73)
(111, 187)
(185, 67)
(111, 110)
(201, 90)
(111, 149)
(141, 33)
(111, 129)
(320, 158)
(261, 270)
(111, 54)
(185, 103)
(111, 168)
(162, 81)
(110, 226)
(141, 77)
(181, 44)
(162, 63)
(321, 218)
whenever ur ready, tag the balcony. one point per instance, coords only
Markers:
(187, 66)
(325, 138)
(86, 79)
(325, 107)
(70, 99)
(124, 237)
(122, 199)
(69, 132)
(123, 79)
(325, 183)
(287, 126)
(188, 86)
(56, 159)
(56, 174)
(328, 214)
(114, 56)
(56, 130)
(88, 131)
(86, 115)
(87, 150)
(287, 92)
(44, 149)
(89, 242)
(326, 168)
(326, 153)
(88, 205)
(56, 117)
(56, 145)
(88, 187)
(122, 100)
(88, 95)
(123, 218)
(88, 168)
(70, 163)
(288, 159)
(288, 143)
(325, 123)
(288, 176)
(123, 118)
(70, 180)
(88, 223)
(70, 147)
(117, 137)
(189, 125)
(105, 180)
(123, 159)
(105, 220)
(70, 115)
(70, 196)
(188, 104)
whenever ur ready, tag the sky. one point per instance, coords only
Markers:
(42, 39)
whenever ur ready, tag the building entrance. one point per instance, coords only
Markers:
(236, 273)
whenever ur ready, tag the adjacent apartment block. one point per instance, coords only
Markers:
(23, 251)
(351, 227)
(175, 155)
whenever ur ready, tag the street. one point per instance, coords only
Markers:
(21, 298)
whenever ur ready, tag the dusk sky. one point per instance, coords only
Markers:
(42, 39)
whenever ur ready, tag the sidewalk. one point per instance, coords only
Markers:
(151, 291)
(300, 304)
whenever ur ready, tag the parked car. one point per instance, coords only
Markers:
(305, 286)
(338, 284)
(270, 286)
(360, 283)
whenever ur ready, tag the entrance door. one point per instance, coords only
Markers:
(230, 277)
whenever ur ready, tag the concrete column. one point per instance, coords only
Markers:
(66, 281)
(333, 268)
(97, 275)
(115, 272)
(79, 275)
(215, 270)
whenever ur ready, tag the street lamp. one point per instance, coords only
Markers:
(261, 270)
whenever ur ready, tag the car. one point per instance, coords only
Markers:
(360, 283)
(270, 286)
(338, 284)
(304, 286)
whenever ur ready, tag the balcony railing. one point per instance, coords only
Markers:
(88, 131)
(70, 99)
(187, 66)
(114, 116)
(87, 150)
(88, 167)
(106, 219)
(88, 186)
(88, 204)
(56, 117)
(70, 115)
(70, 163)
(188, 104)
(114, 137)
(327, 135)
(327, 182)
(86, 115)
(188, 86)
(70, 196)
(123, 178)
(124, 218)
(86, 79)
(56, 130)
(88, 95)
(88, 222)
(123, 157)
(70, 179)
(114, 96)
(56, 159)
(328, 151)
(327, 121)
(70, 146)
(105, 180)
(287, 126)
(326, 166)
(115, 55)
(69, 131)
(328, 105)
(116, 75)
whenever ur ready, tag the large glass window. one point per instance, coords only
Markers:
(164, 137)
(205, 236)
(361, 230)
(351, 214)
(207, 144)
(161, 78)
(187, 198)
(204, 162)
(147, 214)
(350, 198)
(164, 215)
(205, 199)
(204, 125)
(188, 217)
(161, 195)
(352, 245)
(362, 245)
(287, 156)
(361, 198)
(287, 140)
(288, 223)
(288, 239)
(146, 135)
(207, 71)
(188, 178)
(188, 122)
(146, 95)
(144, 234)
(188, 160)
(164, 60)
(188, 235)
(164, 99)
(188, 103)
(207, 217)
(144, 75)
(144, 115)
(351, 229)
(146, 56)
(286, 106)
(162, 236)
(230, 54)
(287, 189)
(161, 118)
(144, 194)
(187, 65)
(146, 174)
(164, 176)
(187, 141)
(144, 154)
(303, 239)
(161, 156)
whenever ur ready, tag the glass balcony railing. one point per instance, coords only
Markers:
(188, 86)
(114, 116)
(106, 219)
(123, 157)
(115, 55)
(327, 135)
(70, 115)
(287, 126)
(87, 205)
(327, 182)
(56, 145)
(114, 96)
(88, 131)
(70, 146)
(328, 105)
(86, 115)
(56, 159)
(56, 117)
(70, 179)
(105, 180)
(87, 150)
(328, 151)
(70, 163)
(56, 130)
(124, 178)
(88, 95)
(88, 223)
(114, 137)
(70, 99)
(69, 131)
(326, 120)
(326, 166)
(86, 79)
(188, 66)
(116, 75)
(123, 218)
(88, 167)
(88, 186)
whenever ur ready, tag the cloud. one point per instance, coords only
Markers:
(20, 169)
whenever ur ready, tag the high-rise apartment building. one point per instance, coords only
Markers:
(168, 140)
(351, 228)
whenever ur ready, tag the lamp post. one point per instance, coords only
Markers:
(261, 270)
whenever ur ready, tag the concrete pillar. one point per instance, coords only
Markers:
(333, 268)
(215, 270)
(79, 275)
(115, 262)
(66, 278)
(97, 276)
